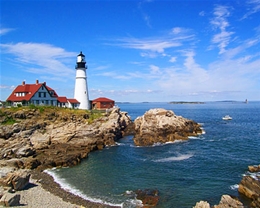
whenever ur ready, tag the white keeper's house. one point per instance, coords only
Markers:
(39, 94)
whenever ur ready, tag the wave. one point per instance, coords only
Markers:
(197, 137)
(255, 175)
(234, 187)
(69, 188)
(175, 158)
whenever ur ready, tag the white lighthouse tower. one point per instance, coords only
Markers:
(81, 87)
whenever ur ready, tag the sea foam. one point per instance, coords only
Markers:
(174, 158)
(69, 188)
(234, 187)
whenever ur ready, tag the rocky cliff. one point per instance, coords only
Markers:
(160, 126)
(50, 137)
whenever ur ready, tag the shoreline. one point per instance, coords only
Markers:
(48, 184)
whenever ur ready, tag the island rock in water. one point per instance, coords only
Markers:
(161, 126)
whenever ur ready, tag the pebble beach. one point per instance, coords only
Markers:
(44, 192)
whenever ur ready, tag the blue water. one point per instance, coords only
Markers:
(202, 168)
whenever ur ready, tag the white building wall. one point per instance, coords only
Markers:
(81, 89)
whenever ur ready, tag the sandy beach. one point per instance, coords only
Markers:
(43, 192)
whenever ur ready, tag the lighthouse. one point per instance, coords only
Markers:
(81, 87)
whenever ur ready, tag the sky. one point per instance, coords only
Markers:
(136, 51)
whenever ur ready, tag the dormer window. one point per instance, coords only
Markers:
(20, 94)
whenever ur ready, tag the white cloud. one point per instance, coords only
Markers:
(219, 22)
(154, 69)
(173, 59)
(4, 31)
(202, 13)
(6, 87)
(115, 75)
(146, 17)
(155, 46)
(176, 30)
(253, 7)
(100, 68)
(41, 58)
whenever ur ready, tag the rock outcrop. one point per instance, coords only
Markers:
(56, 137)
(229, 202)
(202, 204)
(149, 197)
(250, 186)
(160, 126)
(225, 202)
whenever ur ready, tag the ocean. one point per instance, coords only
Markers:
(184, 172)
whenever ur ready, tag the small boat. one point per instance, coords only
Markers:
(227, 117)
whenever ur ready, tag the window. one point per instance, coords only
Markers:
(39, 94)
(44, 94)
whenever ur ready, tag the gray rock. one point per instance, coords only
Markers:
(10, 199)
(25, 151)
(17, 180)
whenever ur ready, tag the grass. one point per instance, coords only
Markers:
(9, 121)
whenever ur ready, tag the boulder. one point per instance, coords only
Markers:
(149, 197)
(160, 125)
(229, 202)
(17, 180)
(39, 140)
(25, 151)
(254, 168)
(202, 204)
(10, 199)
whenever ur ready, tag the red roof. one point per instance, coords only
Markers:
(73, 101)
(62, 99)
(29, 91)
(51, 90)
(102, 99)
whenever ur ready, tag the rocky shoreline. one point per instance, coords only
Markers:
(35, 139)
(38, 139)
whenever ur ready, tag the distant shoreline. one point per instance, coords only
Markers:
(184, 102)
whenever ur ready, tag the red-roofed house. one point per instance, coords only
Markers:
(102, 103)
(62, 101)
(73, 103)
(38, 94)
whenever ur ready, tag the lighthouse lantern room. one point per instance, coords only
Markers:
(81, 87)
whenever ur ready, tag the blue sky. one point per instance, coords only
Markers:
(184, 50)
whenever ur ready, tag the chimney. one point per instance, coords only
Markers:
(44, 83)
(37, 81)
(23, 83)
